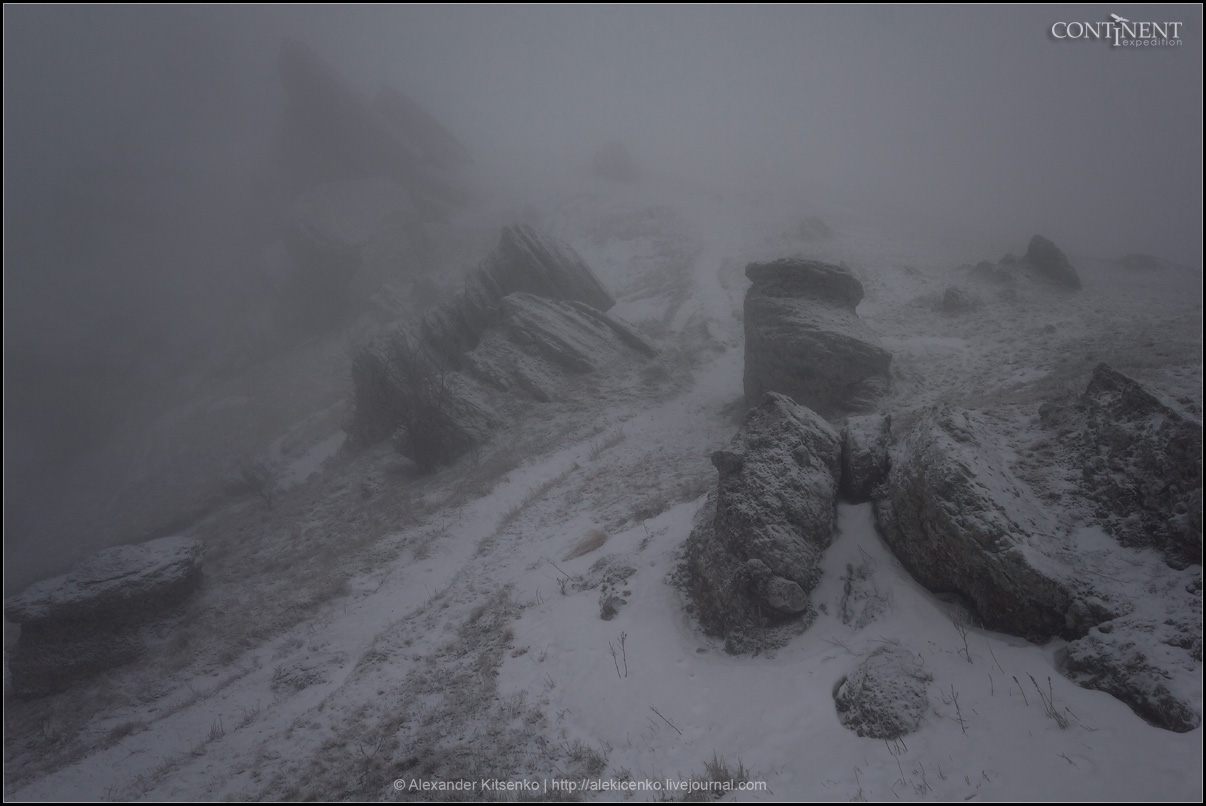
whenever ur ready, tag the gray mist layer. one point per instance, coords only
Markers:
(138, 187)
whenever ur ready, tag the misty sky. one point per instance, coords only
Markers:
(972, 121)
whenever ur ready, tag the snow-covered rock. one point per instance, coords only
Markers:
(523, 261)
(960, 520)
(803, 339)
(85, 621)
(865, 462)
(1148, 663)
(752, 561)
(885, 696)
(527, 320)
(1141, 464)
(120, 583)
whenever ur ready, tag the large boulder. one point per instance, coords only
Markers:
(961, 521)
(803, 339)
(885, 697)
(1140, 464)
(1152, 663)
(752, 561)
(1050, 263)
(1143, 467)
(76, 625)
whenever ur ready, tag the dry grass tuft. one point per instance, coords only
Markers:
(594, 539)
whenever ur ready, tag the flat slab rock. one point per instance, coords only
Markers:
(118, 583)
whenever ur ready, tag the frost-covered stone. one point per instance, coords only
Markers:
(803, 339)
(885, 697)
(753, 560)
(959, 520)
(86, 621)
(123, 583)
(1143, 467)
(1050, 263)
(522, 262)
(865, 460)
(1150, 665)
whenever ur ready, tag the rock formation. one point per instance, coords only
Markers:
(753, 559)
(532, 316)
(1050, 263)
(961, 521)
(86, 621)
(803, 339)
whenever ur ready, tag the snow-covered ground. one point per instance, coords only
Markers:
(376, 627)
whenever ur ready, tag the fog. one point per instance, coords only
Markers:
(137, 147)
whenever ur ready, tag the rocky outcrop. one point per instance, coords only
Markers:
(960, 521)
(1141, 464)
(803, 339)
(523, 262)
(530, 319)
(1145, 471)
(86, 621)
(1149, 663)
(1050, 263)
(331, 133)
(885, 697)
(865, 462)
(963, 523)
(753, 559)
